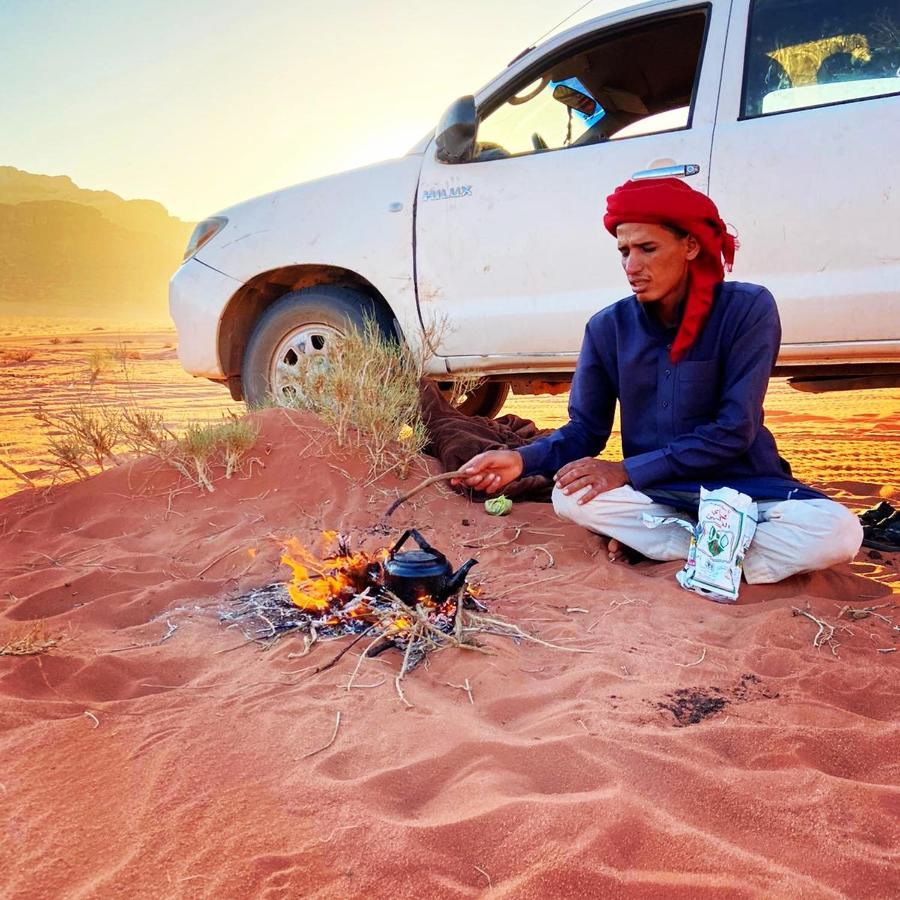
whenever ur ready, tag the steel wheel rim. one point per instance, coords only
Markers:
(290, 358)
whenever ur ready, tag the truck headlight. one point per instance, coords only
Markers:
(204, 231)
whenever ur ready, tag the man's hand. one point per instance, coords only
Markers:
(491, 471)
(597, 474)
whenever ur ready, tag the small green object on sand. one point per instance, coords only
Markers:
(498, 506)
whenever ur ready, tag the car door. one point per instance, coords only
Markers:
(804, 166)
(511, 254)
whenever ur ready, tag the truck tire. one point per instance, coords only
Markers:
(301, 323)
(485, 400)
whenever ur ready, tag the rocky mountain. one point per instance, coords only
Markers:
(65, 250)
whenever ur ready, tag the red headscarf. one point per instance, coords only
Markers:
(669, 201)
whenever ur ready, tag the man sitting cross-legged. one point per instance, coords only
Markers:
(688, 358)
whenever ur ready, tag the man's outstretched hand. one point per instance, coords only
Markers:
(599, 475)
(490, 472)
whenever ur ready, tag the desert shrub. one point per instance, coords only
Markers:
(122, 355)
(84, 439)
(98, 362)
(205, 444)
(237, 437)
(68, 453)
(82, 436)
(101, 361)
(144, 431)
(367, 390)
(16, 356)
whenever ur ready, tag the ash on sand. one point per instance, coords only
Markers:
(267, 613)
(690, 706)
(344, 594)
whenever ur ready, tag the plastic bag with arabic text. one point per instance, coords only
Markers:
(726, 523)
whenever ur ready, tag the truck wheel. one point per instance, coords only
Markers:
(485, 400)
(301, 324)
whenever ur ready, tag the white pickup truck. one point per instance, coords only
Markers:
(787, 112)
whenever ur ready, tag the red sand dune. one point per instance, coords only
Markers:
(569, 776)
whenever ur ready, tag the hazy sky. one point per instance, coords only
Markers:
(201, 103)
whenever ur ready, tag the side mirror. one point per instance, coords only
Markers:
(455, 134)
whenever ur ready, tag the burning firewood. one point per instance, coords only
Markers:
(344, 594)
(347, 594)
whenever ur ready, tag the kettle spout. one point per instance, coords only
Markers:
(458, 578)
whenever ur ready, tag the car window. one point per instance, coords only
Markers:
(670, 120)
(633, 81)
(538, 122)
(806, 53)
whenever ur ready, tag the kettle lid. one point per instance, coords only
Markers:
(417, 564)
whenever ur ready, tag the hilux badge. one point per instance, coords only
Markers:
(452, 193)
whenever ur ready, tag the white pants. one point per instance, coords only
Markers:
(793, 535)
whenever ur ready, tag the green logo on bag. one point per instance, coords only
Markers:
(716, 541)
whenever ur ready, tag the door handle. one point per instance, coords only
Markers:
(684, 171)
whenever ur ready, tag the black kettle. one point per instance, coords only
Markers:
(416, 574)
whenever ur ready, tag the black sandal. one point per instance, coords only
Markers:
(877, 515)
(885, 534)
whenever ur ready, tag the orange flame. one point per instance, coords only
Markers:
(317, 584)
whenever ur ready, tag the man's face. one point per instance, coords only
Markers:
(655, 260)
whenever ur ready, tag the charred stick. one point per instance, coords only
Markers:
(349, 646)
(458, 621)
(388, 643)
(427, 483)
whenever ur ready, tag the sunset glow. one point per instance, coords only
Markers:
(205, 104)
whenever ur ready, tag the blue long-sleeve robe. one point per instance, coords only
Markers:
(686, 424)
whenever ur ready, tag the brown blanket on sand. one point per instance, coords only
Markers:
(455, 438)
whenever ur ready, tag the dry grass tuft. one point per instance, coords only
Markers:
(463, 385)
(121, 353)
(205, 444)
(85, 439)
(101, 361)
(98, 363)
(82, 436)
(16, 356)
(367, 390)
(144, 431)
(33, 641)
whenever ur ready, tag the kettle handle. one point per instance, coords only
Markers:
(403, 539)
(423, 544)
(414, 534)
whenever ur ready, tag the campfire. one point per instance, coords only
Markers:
(410, 599)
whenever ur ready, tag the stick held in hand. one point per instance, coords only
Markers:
(428, 482)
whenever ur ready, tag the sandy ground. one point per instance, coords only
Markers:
(139, 767)
(140, 365)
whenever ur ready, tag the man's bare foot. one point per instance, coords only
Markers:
(616, 550)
